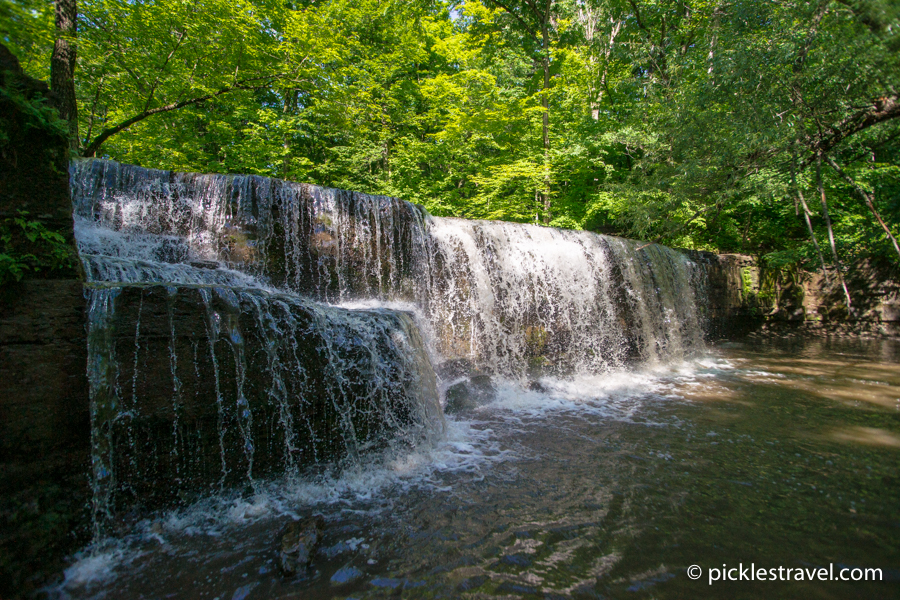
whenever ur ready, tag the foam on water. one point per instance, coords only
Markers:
(93, 566)
(474, 443)
(278, 273)
(465, 448)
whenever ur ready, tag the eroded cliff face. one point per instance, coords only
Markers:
(44, 420)
(213, 388)
(44, 430)
(516, 300)
(244, 328)
(744, 298)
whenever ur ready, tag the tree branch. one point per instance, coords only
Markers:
(867, 198)
(510, 12)
(811, 35)
(637, 16)
(806, 216)
(104, 135)
(839, 268)
(181, 36)
(881, 110)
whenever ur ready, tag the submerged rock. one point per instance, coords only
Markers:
(475, 391)
(346, 574)
(482, 388)
(299, 541)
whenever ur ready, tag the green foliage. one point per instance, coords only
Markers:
(26, 245)
(36, 114)
(746, 283)
(671, 121)
(26, 29)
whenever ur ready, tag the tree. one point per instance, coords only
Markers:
(533, 17)
(142, 59)
(62, 67)
(695, 123)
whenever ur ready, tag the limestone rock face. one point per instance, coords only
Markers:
(44, 430)
(211, 388)
(44, 422)
(743, 297)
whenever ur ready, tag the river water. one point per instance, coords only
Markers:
(771, 453)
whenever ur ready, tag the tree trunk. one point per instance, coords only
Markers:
(837, 261)
(869, 200)
(386, 144)
(62, 68)
(545, 103)
(806, 213)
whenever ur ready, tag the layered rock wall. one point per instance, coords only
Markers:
(44, 417)
(44, 430)
(745, 298)
(212, 388)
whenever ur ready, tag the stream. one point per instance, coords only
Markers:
(774, 453)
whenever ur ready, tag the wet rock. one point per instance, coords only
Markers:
(482, 388)
(299, 541)
(346, 574)
(517, 560)
(469, 394)
(204, 264)
(458, 398)
(198, 329)
(472, 582)
(454, 369)
(173, 250)
(537, 386)
(242, 592)
(45, 435)
(387, 582)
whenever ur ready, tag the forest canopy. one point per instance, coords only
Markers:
(749, 126)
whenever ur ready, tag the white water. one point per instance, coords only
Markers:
(471, 444)
(516, 300)
(599, 321)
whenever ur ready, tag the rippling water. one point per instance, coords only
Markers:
(771, 453)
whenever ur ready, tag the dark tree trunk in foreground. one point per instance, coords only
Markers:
(62, 68)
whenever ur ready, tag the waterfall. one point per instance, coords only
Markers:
(223, 345)
(212, 387)
(521, 298)
(205, 375)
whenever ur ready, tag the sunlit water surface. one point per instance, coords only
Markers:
(772, 453)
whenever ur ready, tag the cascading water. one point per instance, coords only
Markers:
(203, 375)
(520, 299)
(500, 294)
(252, 341)
(217, 283)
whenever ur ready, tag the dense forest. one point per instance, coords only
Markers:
(763, 127)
